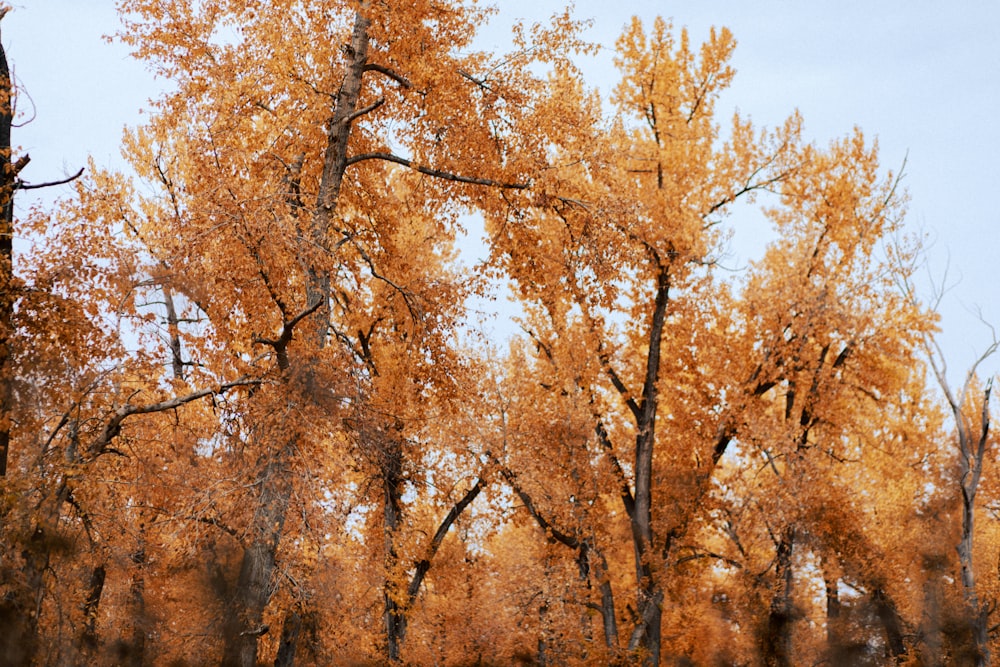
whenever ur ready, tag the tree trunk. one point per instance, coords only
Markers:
(891, 623)
(8, 175)
(394, 614)
(646, 636)
(174, 333)
(934, 569)
(90, 606)
(972, 451)
(290, 630)
(978, 615)
(137, 602)
(777, 639)
(609, 621)
(832, 612)
(335, 164)
(253, 588)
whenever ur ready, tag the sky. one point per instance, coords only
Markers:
(922, 77)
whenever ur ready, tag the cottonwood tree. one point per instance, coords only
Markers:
(970, 410)
(245, 422)
(617, 274)
(274, 160)
(624, 240)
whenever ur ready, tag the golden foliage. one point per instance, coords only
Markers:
(249, 422)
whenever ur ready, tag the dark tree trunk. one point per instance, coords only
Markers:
(173, 330)
(394, 614)
(646, 636)
(15, 649)
(8, 176)
(832, 611)
(888, 615)
(290, 631)
(253, 587)
(608, 619)
(94, 591)
(777, 640)
(137, 593)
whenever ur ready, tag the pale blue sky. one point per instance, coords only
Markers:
(924, 77)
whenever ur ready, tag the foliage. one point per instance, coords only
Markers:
(244, 418)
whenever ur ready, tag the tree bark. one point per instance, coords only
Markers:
(14, 645)
(646, 636)
(137, 602)
(832, 612)
(174, 333)
(892, 624)
(253, 588)
(291, 628)
(334, 166)
(971, 467)
(934, 565)
(599, 565)
(394, 614)
(777, 640)
(972, 445)
(8, 176)
(90, 606)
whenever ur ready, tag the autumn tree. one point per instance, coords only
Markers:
(278, 162)
(617, 271)
(622, 242)
(970, 410)
(245, 420)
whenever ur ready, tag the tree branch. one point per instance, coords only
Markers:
(281, 343)
(436, 173)
(543, 523)
(424, 565)
(113, 428)
(381, 69)
(347, 120)
(21, 185)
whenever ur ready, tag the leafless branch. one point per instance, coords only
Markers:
(347, 120)
(21, 185)
(436, 173)
(381, 69)
(424, 565)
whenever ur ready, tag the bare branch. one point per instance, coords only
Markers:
(620, 386)
(425, 564)
(436, 173)
(347, 120)
(381, 69)
(21, 185)
(550, 530)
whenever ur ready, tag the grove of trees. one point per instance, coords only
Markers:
(246, 418)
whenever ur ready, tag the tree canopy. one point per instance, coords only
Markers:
(245, 417)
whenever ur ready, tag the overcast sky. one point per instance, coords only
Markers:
(922, 77)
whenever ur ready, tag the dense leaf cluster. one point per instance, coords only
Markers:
(246, 416)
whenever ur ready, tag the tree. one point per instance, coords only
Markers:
(617, 271)
(245, 420)
(971, 412)
(281, 200)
